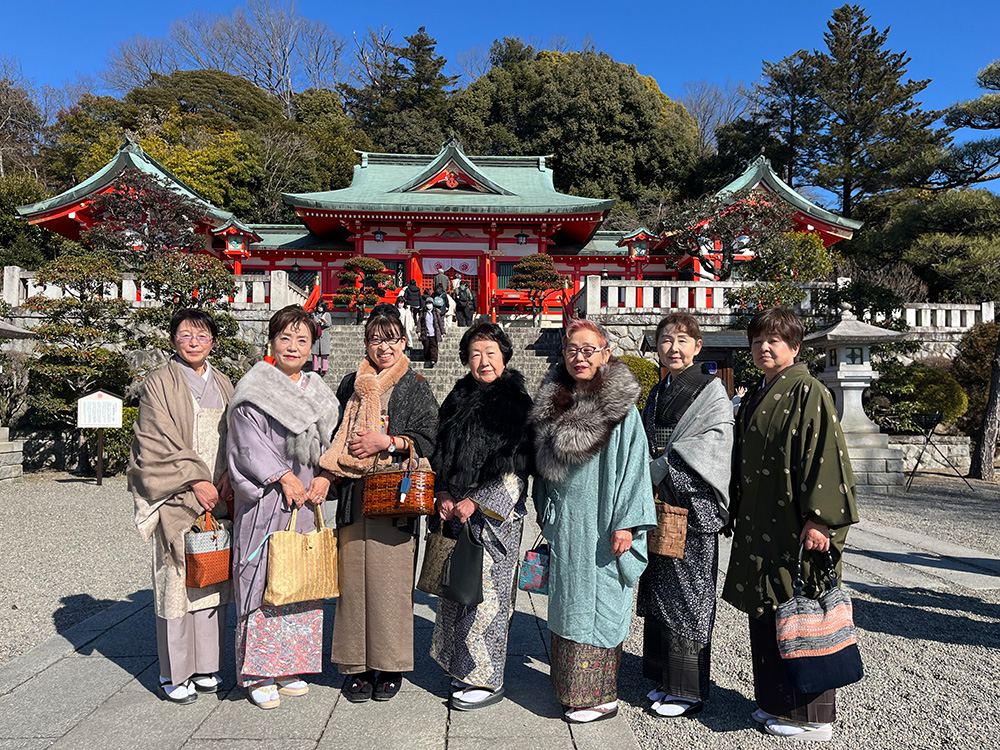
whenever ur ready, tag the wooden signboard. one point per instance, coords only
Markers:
(99, 410)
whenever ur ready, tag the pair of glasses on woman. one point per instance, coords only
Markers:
(201, 338)
(390, 342)
(586, 351)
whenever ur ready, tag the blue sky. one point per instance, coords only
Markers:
(673, 42)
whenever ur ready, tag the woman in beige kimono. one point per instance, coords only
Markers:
(177, 471)
(387, 410)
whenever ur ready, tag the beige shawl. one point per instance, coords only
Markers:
(362, 412)
(164, 463)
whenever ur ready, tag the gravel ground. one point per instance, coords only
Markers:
(60, 567)
(932, 659)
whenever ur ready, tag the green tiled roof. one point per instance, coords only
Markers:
(129, 156)
(386, 182)
(292, 237)
(759, 172)
(603, 243)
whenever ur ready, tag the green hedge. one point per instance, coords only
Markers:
(117, 443)
(646, 372)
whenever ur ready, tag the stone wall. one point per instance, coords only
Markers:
(10, 458)
(957, 449)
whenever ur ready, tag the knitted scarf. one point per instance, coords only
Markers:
(362, 412)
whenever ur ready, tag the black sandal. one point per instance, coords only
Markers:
(387, 685)
(358, 688)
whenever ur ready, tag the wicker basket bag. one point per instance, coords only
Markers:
(408, 491)
(670, 534)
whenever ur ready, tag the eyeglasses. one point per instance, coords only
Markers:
(379, 342)
(201, 338)
(587, 351)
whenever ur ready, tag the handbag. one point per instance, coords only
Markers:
(408, 491)
(670, 534)
(533, 575)
(207, 553)
(436, 551)
(816, 637)
(300, 567)
(462, 577)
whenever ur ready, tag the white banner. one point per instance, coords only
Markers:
(464, 266)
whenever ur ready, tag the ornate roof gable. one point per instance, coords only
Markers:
(451, 169)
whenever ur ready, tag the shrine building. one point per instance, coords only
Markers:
(473, 217)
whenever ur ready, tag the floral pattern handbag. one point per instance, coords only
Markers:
(534, 574)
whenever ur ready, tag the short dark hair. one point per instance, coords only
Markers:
(384, 319)
(685, 321)
(776, 320)
(292, 315)
(200, 318)
(485, 331)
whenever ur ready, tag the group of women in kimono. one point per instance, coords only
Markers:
(596, 463)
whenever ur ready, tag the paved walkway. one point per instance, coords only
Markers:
(928, 609)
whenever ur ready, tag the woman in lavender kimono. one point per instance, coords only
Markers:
(482, 460)
(177, 471)
(280, 422)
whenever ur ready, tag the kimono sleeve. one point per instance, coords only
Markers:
(820, 463)
(634, 508)
(253, 454)
(417, 418)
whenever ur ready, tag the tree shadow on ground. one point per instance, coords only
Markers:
(910, 613)
(931, 560)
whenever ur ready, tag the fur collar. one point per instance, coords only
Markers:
(574, 421)
(309, 412)
(482, 431)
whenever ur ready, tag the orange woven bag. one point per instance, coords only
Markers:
(399, 492)
(207, 553)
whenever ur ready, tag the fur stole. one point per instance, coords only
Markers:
(483, 431)
(363, 411)
(309, 412)
(574, 421)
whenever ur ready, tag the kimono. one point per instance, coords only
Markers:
(180, 439)
(267, 413)
(591, 456)
(483, 453)
(689, 425)
(790, 465)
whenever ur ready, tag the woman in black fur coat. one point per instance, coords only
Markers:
(482, 459)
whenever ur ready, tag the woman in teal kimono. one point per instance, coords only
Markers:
(792, 484)
(595, 501)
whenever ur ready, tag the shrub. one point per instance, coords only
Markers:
(646, 372)
(117, 443)
(903, 391)
(972, 371)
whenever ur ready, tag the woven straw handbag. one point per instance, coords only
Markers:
(668, 537)
(301, 567)
(437, 549)
(207, 553)
(408, 491)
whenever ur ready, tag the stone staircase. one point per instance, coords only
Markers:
(535, 351)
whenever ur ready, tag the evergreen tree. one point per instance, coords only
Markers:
(871, 128)
(977, 160)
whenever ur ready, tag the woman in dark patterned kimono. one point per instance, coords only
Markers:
(482, 460)
(280, 421)
(792, 484)
(689, 426)
(387, 410)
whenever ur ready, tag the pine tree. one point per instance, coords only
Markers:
(978, 160)
(871, 127)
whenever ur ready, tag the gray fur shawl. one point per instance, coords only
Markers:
(310, 413)
(574, 421)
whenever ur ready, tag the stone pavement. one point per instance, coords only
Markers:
(92, 685)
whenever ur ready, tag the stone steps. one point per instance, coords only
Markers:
(535, 351)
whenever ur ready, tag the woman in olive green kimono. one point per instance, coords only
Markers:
(792, 483)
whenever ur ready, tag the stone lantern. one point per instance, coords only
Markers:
(11, 451)
(847, 373)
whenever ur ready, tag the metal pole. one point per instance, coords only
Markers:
(100, 455)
